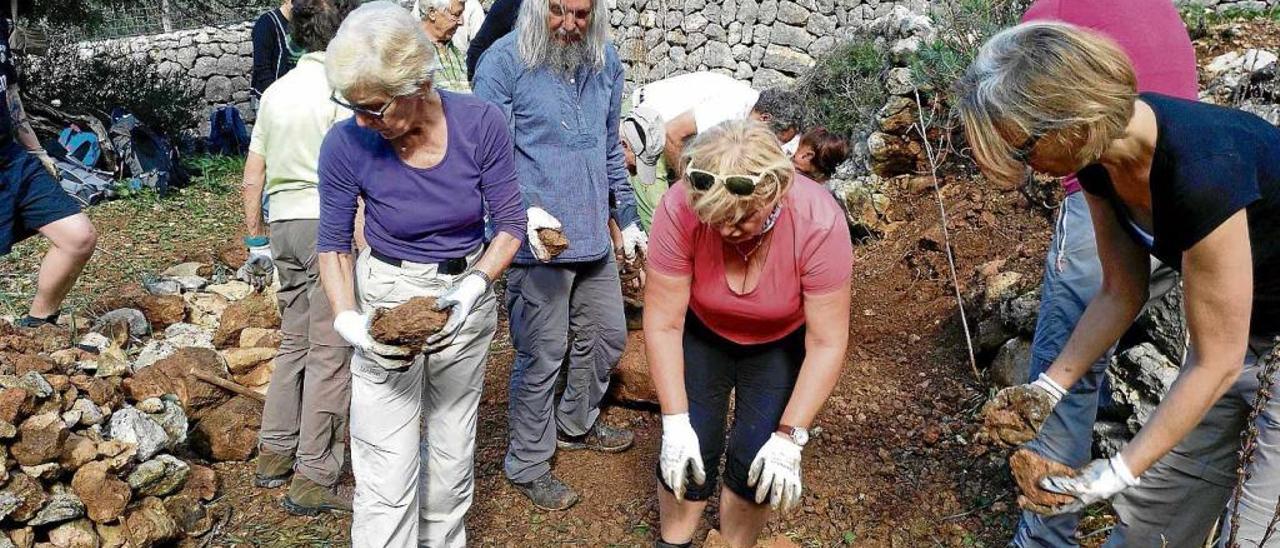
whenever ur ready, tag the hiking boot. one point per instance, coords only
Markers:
(34, 322)
(548, 493)
(601, 437)
(273, 470)
(308, 498)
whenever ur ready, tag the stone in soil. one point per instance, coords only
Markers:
(31, 497)
(77, 451)
(233, 290)
(714, 540)
(234, 255)
(1013, 417)
(255, 337)
(149, 524)
(163, 310)
(172, 375)
(173, 419)
(103, 392)
(132, 426)
(205, 309)
(113, 535)
(230, 431)
(16, 404)
(61, 507)
(1028, 469)
(553, 240)
(409, 324)
(104, 495)
(23, 538)
(189, 514)
(243, 360)
(40, 440)
(134, 324)
(159, 477)
(631, 380)
(202, 483)
(258, 310)
(74, 534)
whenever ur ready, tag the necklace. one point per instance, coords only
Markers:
(768, 225)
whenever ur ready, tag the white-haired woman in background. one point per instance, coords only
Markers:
(426, 163)
(1194, 185)
(442, 20)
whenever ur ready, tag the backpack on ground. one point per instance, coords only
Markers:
(81, 146)
(147, 156)
(83, 184)
(228, 134)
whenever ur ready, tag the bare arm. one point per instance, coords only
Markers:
(337, 272)
(26, 135)
(666, 303)
(1126, 269)
(678, 129)
(498, 257)
(825, 341)
(255, 176)
(1218, 282)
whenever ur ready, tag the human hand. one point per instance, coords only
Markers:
(462, 300)
(540, 219)
(634, 239)
(48, 163)
(258, 270)
(1016, 414)
(680, 454)
(353, 327)
(1095, 482)
(775, 473)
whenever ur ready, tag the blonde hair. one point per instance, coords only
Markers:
(1038, 78)
(380, 49)
(739, 147)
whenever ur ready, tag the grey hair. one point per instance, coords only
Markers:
(783, 107)
(420, 7)
(380, 49)
(534, 37)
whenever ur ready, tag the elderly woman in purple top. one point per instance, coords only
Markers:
(427, 163)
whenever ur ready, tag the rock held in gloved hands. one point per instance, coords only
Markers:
(554, 241)
(1015, 415)
(1028, 469)
(410, 324)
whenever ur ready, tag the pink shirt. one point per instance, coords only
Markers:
(810, 253)
(1150, 31)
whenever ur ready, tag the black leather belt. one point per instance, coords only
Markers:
(451, 267)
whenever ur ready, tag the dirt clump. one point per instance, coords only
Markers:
(1028, 469)
(1013, 417)
(554, 241)
(409, 324)
(631, 380)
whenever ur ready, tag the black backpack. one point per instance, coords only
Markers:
(228, 134)
(146, 157)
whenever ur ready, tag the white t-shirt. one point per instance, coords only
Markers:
(713, 98)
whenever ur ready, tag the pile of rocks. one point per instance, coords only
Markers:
(1246, 80)
(102, 433)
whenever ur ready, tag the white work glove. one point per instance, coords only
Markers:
(775, 473)
(633, 239)
(1015, 415)
(354, 328)
(680, 454)
(462, 299)
(47, 161)
(539, 219)
(1097, 481)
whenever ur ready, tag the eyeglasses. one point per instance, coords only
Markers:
(375, 114)
(1023, 152)
(740, 185)
(455, 17)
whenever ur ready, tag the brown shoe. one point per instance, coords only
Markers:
(273, 469)
(308, 498)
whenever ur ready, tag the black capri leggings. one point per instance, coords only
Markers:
(761, 377)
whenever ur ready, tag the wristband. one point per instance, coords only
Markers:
(256, 241)
(488, 282)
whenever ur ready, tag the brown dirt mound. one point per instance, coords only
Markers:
(1028, 469)
(553, 240)
(409, 324)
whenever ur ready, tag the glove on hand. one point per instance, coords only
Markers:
(775, 473)
(634, 239)
(462, 299)
(258, 270)
(1015, 415)
(540, 219)
(1097, 481)
(680, 454)
(354, 328)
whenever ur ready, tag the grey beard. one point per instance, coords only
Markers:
(564, 59)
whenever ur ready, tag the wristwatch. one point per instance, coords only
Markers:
(798, 434)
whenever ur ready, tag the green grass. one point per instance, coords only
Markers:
(138, 236)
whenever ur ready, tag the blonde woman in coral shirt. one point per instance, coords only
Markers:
(747, 292)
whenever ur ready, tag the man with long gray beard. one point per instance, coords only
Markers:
(559, 80)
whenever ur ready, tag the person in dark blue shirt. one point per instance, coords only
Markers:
(1198, 187)
(273, 50)
(498, 23)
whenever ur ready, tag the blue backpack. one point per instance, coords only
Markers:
(228, 134)
(81, 146)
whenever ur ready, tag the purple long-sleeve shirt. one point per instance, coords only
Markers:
(421, 215)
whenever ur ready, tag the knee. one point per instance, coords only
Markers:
(81, 241)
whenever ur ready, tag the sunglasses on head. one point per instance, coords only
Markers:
(375, 114)
(740, 185)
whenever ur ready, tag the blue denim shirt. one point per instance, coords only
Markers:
(567, 152)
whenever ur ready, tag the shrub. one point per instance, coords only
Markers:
(843, 91)
(98, 83)
(962, 27)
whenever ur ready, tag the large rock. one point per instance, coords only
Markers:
(152, 352)
(77, 451)
(183, 335)
(255, 337)
(30, 495)
(631, 380)
(1012, 364)
(16, 404)
(134, 321)
(23, 538)
(230, 431)
(132, 426)
(243, 360)
(149, 525)
(172, 375)
(233, 290)
(61, 507)
(104, 495)
(1163, 325)
(1140, 378)
(258, 310)
(865, 207)
(259, 379)
(40, 440)
(409, 324)
(103, 392)
(202, 483)
(75, 534)
(173, 419)
(160, 476)
(189, 514)
(205, 309)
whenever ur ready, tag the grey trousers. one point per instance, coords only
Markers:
(1184, 493)
(546, 304)
(306, 411)
(413, 430)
